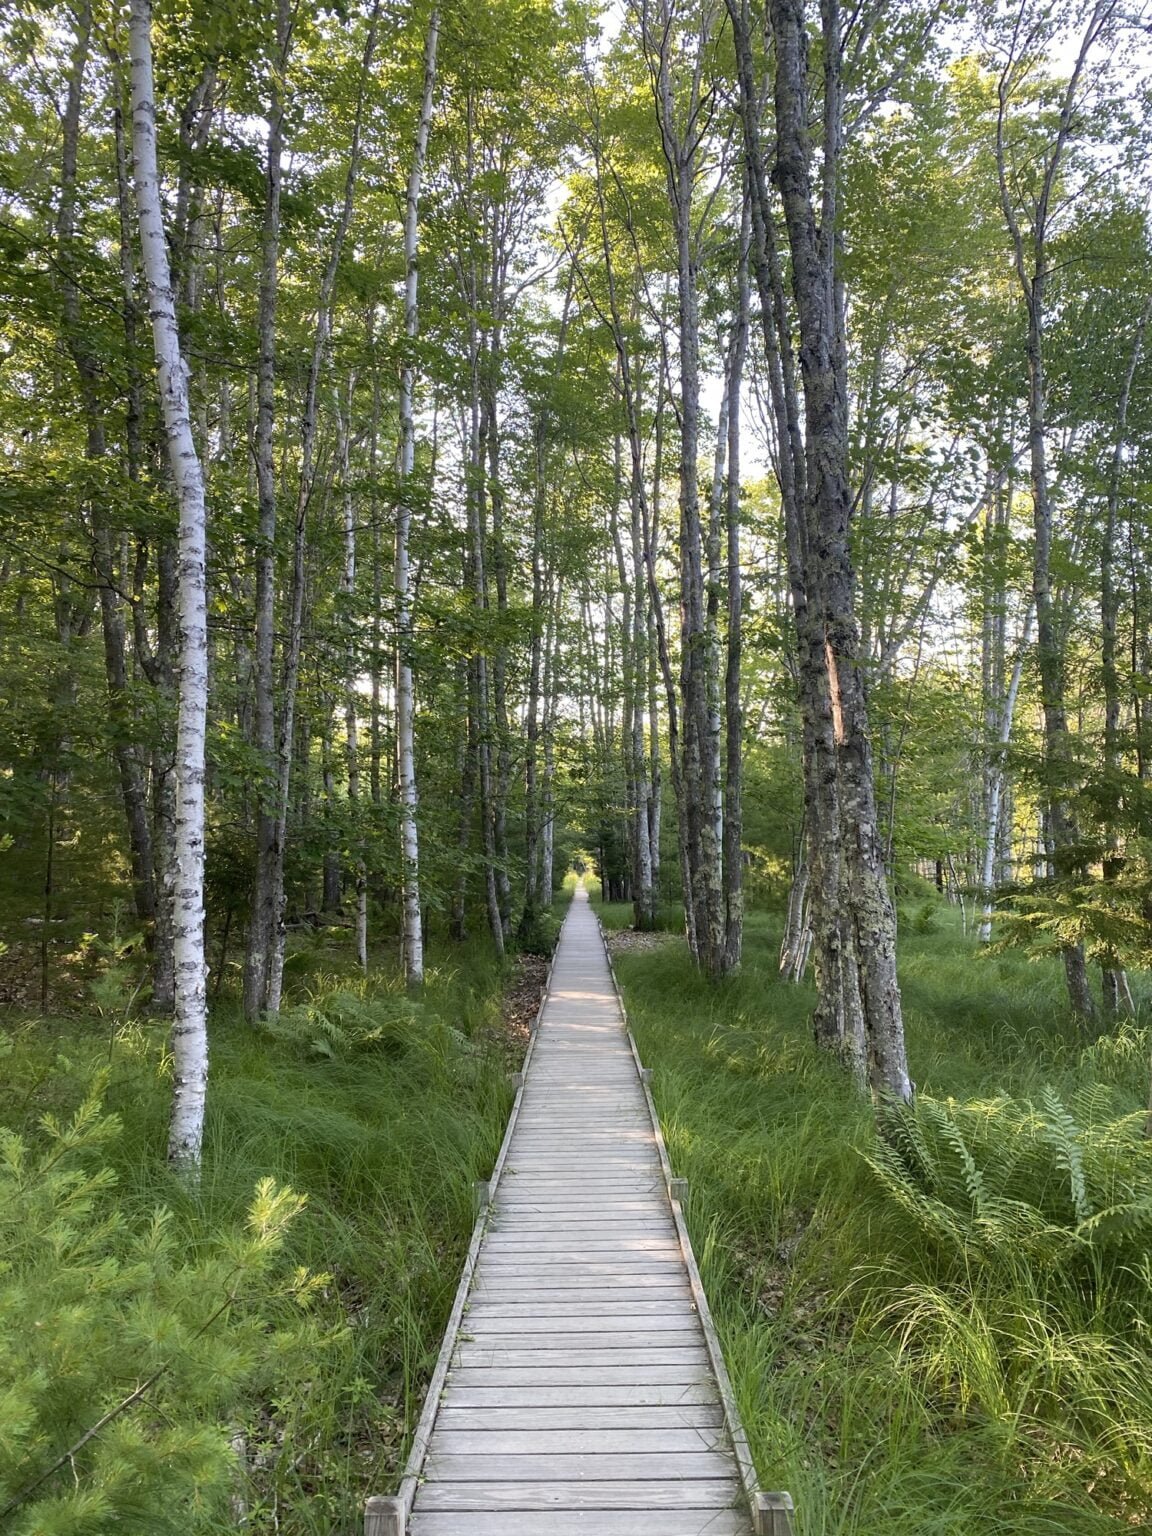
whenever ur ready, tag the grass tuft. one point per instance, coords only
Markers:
(944, 1331)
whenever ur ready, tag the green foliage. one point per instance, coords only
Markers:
(941, 1330)
(538, 934)
(999, 1179)
(1111, 918)
(124, 1351)
(339, 1021)
(295, 1414)
(922, 919)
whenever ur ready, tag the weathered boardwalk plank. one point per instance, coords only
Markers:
(584, 1395)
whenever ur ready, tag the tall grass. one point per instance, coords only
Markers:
(942, 1332)
(381, 1113)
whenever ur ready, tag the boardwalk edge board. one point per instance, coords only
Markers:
(583, 1470)
(387, 1515)
(771, 1511)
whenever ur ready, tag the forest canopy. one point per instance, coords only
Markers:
(708, 443)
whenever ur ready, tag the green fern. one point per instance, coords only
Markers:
(1062, 1134)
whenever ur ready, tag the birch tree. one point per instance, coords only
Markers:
(1029, 171)
(413, 940)
(190, 1023)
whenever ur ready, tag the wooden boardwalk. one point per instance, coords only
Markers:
(580, 1389)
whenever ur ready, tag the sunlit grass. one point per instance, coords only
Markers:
(383, 1132)
(896, 1381)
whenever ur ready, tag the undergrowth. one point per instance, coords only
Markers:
(293, 1308)
(942, 1331)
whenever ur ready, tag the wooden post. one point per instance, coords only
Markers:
(481, 1196)
(678, 1189)
(645, 1075)
(384, 1517)
(772, 1514)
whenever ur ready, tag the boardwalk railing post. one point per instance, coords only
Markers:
(678, 1189)
(645, 1075)
(481, 1197)
(772, 1514)
(384, 1517)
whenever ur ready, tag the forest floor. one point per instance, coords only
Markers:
(379, 1111)
(942, 1332)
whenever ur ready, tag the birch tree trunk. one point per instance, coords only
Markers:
(535, 679)
(1117, 993)
(546, 879)
(189, 1030)
(285, 742)
(700, 771)
(644, 892)
(413, 937)
(658, 650)
(733, 813)
(1029, 234)
(351, 710)
(1063, 828)
(262, 923)
(996, 784)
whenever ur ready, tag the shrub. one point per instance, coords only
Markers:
(538, 933)
(125, 1354)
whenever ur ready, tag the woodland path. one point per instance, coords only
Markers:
(582, 1392)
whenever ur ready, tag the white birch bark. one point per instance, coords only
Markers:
(308, 434)
(413, 939)
(351, 712)
(189, 1028)
(262, 923)
(546, 874)
(996, 785)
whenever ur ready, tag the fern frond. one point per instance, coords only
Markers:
(1063, 1135)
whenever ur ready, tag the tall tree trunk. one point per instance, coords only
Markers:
(537, 643)
(1058, 764)
(837, 1019)
(351, 695)
(644, 888)
(812, 238)
(733, 817)
(677, 113)
(1117, 994)
(413, 937)
(633, 679)
(124, 749)
(189, 1031)
(546, 878)
(305, 487)
(262, 923)
(502, 777)
(375, 668)
(1033, 269)
(458, 923)
(480, 672)
(996, 783)
(649, 522)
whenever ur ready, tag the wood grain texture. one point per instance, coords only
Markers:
(584, 1522)
(581, 1399)
(568, 1416)
(604, 1394)
(613, 1493)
